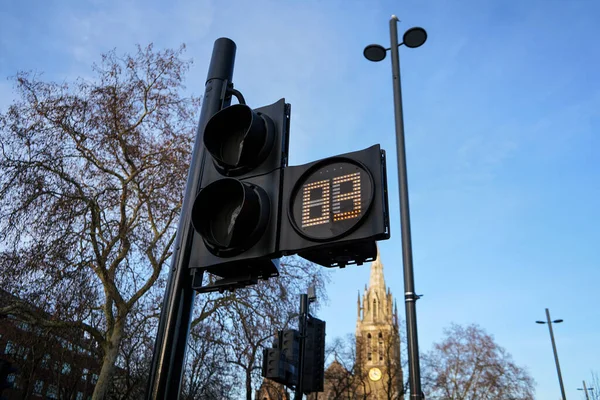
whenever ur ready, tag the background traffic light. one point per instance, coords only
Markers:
(314, 357)
(335, 209)
(273, 365)
(290, 345)
(236, 211)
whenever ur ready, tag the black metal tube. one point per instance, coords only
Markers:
(302, 326)
(166, 371)
(410, 298)
(562, 387)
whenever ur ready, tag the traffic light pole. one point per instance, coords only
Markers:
(173, 329)
(303, 318)
(410, 296)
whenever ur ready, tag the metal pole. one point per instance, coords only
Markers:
(302, 326)
(587, 396)
(410, 298)
(562, 387)
(173, 329)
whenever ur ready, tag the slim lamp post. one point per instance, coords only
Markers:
(549, 322)
(585, 389)
(412, 38)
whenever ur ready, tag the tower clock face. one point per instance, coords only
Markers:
(375, 374)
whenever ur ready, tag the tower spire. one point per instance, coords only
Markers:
(376, 280)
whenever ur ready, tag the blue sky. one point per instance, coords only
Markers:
(501, 106)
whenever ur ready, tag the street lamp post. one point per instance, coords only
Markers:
(412, 38)
(585, 389)
(549, 322)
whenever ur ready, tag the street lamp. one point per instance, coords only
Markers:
(412, 38)
(585, 389)
(549, 322)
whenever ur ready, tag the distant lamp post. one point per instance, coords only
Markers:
(414, 37)
(549, 322)
(585, 389)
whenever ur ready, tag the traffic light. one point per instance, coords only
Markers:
(290, 347)
(314, 357)
(236, 211)
(280, 363)
(336, 208)
(273, 366)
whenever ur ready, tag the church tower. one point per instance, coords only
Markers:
(378, 339)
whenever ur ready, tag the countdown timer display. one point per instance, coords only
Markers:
(330, 200)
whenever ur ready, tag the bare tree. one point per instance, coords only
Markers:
(467, 364)
(343, 377)
(135, 355)
(394, 387)
(208, 376)
(91, 180)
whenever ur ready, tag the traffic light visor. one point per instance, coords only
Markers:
(238, 139)
(230, 215)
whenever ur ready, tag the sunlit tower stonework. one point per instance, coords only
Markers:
(378, 339)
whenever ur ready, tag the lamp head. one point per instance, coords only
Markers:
(374, 52)
(414, 37)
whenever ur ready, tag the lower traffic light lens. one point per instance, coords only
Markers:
(231, 216)
(224, 220)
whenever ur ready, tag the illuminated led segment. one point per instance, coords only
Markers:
(354, 196)
(330, 200)
(322, 202)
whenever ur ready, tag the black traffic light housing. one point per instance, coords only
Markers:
(236, 211)
(314, 357)
(273, 366)
(251, 208)
(336, 208)
(280, 363)
(290, 345)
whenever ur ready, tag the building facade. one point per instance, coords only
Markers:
(50, 363)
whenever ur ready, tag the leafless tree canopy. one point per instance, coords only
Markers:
(467, 364)
(91, 179)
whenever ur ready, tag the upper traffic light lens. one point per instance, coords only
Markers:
(230, 215)
(238, 138)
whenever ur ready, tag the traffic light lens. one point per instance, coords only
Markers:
(231, 149)
(224, 221)
(330, 200)
(239, 139)
(230, 215)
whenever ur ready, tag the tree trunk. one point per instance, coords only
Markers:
(111, 351)
(249, 384)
